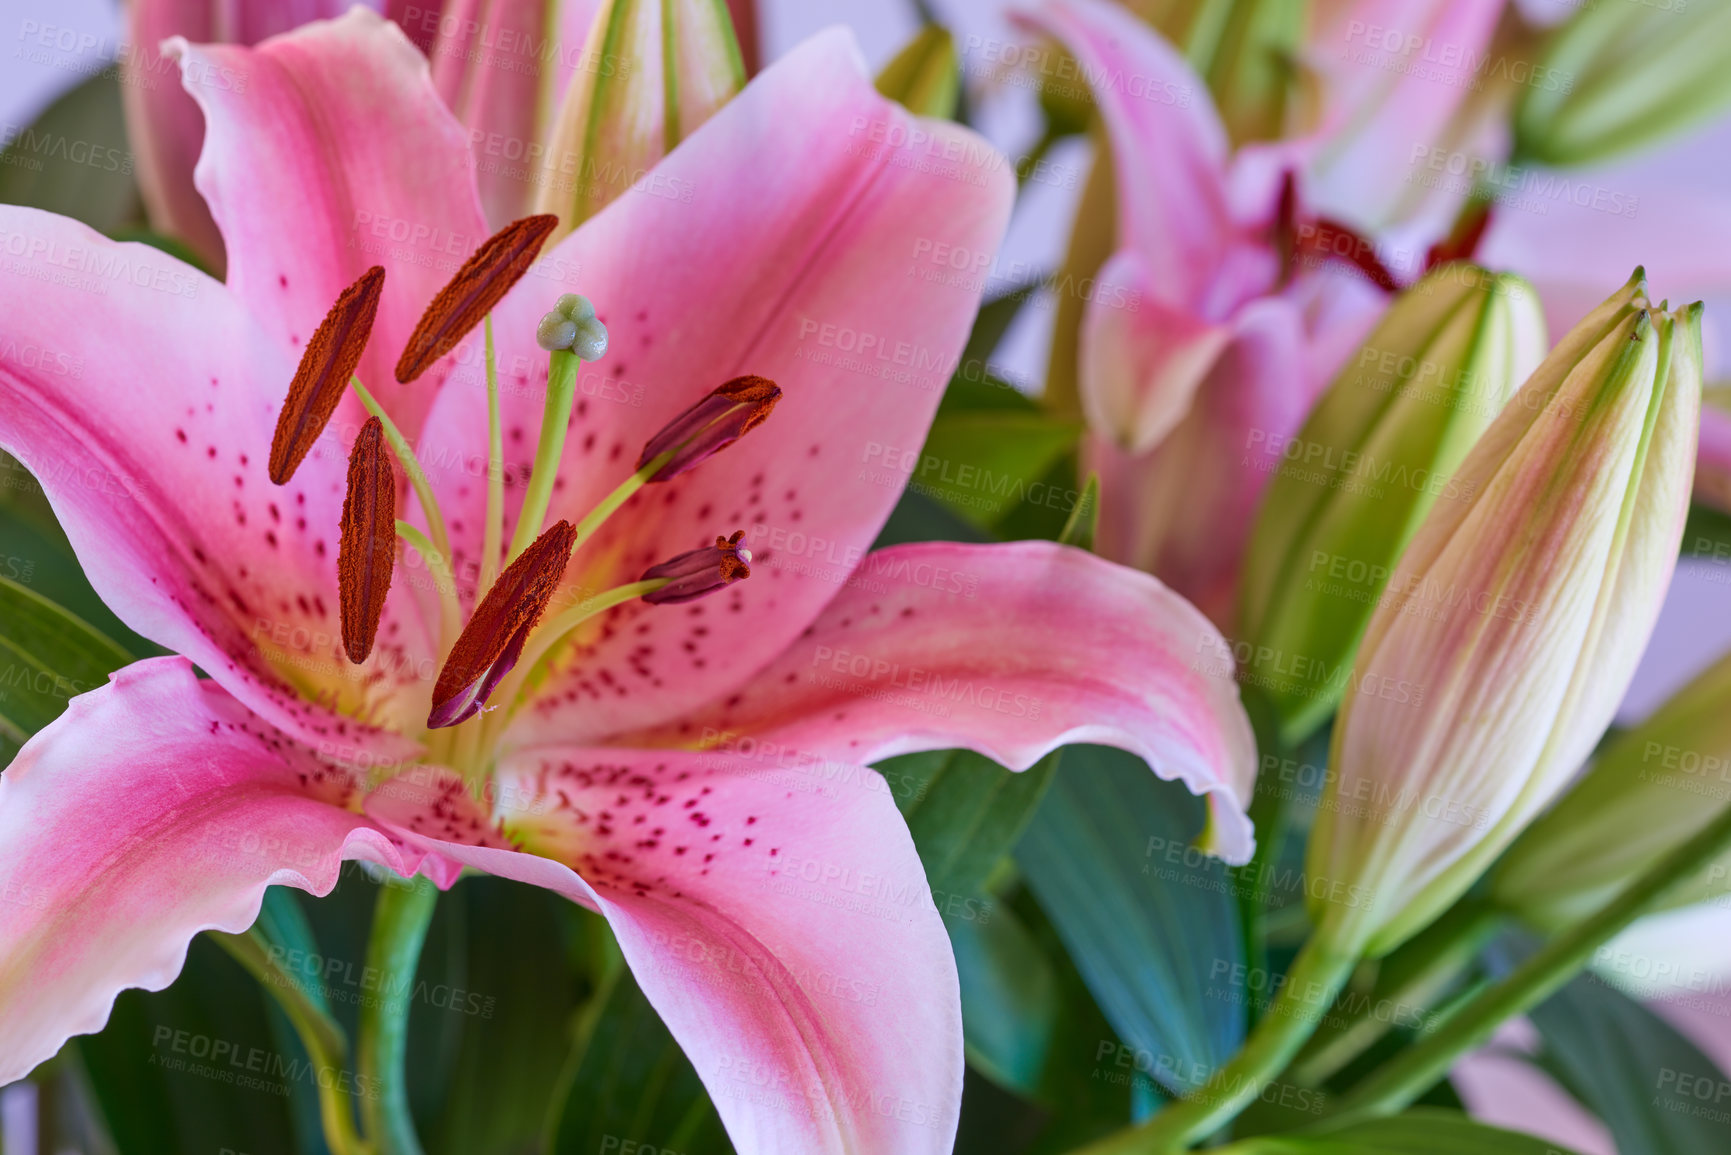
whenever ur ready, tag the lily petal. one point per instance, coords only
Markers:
(773, 929)
(149, 427)
(163, 124)
(777, 238)
(1165, 135)
(1183, 511)
(1010, 650)
(327, 151)
(1394, 73)
(153, 808)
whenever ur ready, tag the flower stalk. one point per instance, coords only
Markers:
(1410, 1074)
(400, 921)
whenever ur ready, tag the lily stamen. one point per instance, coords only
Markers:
(683, 578)
(367, 552)
(491, 644)
(327, 363)
(485, 278)
(728, 413)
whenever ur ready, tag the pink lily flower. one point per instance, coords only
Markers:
(1216, 323)
(697, 772)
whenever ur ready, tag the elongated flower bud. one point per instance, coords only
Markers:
(700, 572)
(1515, 620)
(1378, 451)
(660, 70)
(1652, 787)
(711, 425)
(1624, 75)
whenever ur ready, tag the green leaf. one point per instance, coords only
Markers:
(965, 812)
(198, 1067)
(919, 518)
(74, 159)
(1419, 1132)
(1084, 520)
(984, 464)
(995, 317)
(1634, 1070)
(1010, 999)
(46, 656)
(34, 552)
(925, 76)
(1707, 533)
(627, 1080)
(1149, 920)
(500, 996)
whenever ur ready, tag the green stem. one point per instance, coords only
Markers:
(411, 466)
(1313, 980)
(400, 921)
(562, 366)
(610, 504)
(1411, 1073)
(1268, 819)
(494, 531)
(1409, 984)
(323, 1038)
(450, 614)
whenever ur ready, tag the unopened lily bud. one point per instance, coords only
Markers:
(700, 572)
(1619, 76)
(1652, 787)
(1377, 452)
(711, 425)
(925, 77)
(658, 72)
(1512, 624)
(574, 327)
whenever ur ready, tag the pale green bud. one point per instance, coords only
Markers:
(1512, 624)
(654, 71)
(1377, 452)
(1622, 74)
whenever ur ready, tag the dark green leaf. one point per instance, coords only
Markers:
(1655, 1090)
(197, 1067)
(1149, 920)
(1010, 1001)
(34, 552)
(627, 1080)
(1707, 534)
(74, 159)
(46, 656)
(983, 464)
(1418, 1132)
(964, 811)
(506, 988)
(1045, 509)
(919, 518)
(993, 321)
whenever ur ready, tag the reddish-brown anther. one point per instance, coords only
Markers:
(368, 552)
(487, 276)
(491, 643)
(325, 369)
